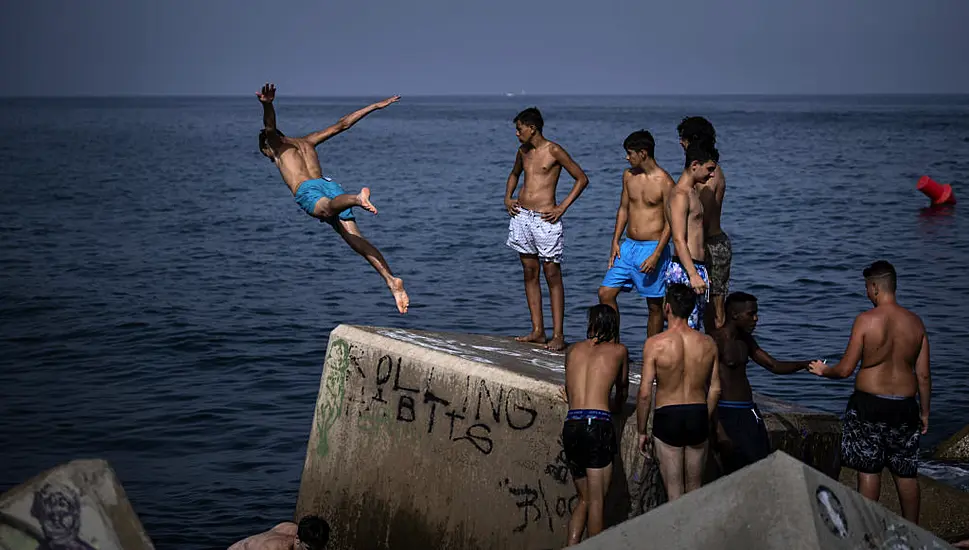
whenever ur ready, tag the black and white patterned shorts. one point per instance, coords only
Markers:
(881, 431)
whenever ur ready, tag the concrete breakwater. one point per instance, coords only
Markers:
(435, 440)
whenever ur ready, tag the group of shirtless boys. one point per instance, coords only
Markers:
(677, 257)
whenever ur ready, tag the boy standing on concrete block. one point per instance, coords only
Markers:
(592, 367)
(535, 229)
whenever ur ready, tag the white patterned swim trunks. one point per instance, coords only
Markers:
(528, 233)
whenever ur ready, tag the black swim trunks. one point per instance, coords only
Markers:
(742, 422)
(881, 431)
(589, 439)
(681, 425)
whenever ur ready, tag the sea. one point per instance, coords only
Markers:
(165, 305)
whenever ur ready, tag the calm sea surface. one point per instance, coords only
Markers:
(164, 304)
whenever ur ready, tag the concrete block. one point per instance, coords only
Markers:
(79, 505)
(954, 448)
(438, 440)
(777, 503)
(944, 509)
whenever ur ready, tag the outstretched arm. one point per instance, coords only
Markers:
(849, 361)
(266, 97)
(347, 121)
(925, 381)
(644, 400)
(765, 360)
(713, 393)
(581, 181)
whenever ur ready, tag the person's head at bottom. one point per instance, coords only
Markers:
(312, 533)
(680, 300)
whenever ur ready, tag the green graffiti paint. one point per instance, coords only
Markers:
(334, 392)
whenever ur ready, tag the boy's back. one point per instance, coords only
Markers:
(591, 371)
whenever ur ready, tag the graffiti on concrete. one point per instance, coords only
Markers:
(390, 398)
(549, 500)
(334, 392)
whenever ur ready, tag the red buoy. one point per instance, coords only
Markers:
(938, 193)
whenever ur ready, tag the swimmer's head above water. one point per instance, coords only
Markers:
(312, 534)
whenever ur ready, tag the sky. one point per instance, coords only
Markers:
(435, 47)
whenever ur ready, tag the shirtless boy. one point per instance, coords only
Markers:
(535, 230)
(312, 533)
(883, 421)
(642, 259)
(718, 249)
(742, 435)
(685, 214)
(684, 364)
(319, 197)
(592, 368)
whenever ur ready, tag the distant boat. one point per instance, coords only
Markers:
(512, 94)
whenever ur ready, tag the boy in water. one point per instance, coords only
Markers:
(685, 214)
(883, 421)
(312, 533)
(684, 363)
(719, 251)
(642, 259)
(535, 229)
(592, 368)
(319, 197)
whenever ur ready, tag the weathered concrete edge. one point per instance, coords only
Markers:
(445, 360)
(115, 508)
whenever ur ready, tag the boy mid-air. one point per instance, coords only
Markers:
(535, 229)
(320, 197)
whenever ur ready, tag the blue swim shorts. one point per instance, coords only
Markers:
(311, 191)
(676, 273)
(625, 273)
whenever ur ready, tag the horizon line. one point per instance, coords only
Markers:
(486, 94)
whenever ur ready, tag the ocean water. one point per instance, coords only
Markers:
(164, 304)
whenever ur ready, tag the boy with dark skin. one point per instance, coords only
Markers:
(719, 250)
(592, 368)
(319, 197)
(684, 363)
(685, 214)
(535, 229)
(642, 259)
(883, 421)
(312, 533)
(742, 436)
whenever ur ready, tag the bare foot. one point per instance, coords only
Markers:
(532, 338)
(364, 197)
(557, 343)
(400, 295)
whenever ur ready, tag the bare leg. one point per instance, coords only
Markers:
(351, 234)
(577, 521)
(870, 485)
(909, 497)
(556, 292)
(608, 296)
(656, 317)
(670, 467)
(695, 458)
(599, 479)
(328, 208)
(714, 316)
(533, 294)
